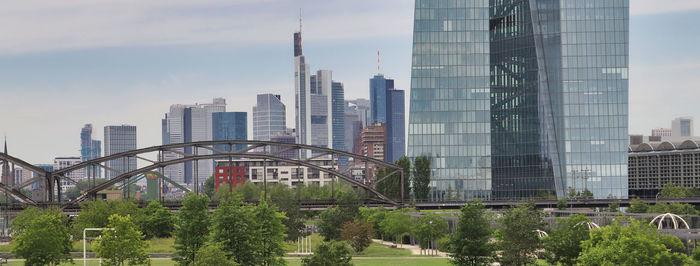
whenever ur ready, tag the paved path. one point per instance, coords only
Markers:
(415, 250)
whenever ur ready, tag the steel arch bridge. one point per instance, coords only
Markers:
(203, 150)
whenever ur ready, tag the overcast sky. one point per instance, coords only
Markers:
(70, 62)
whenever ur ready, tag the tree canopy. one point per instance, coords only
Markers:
(469, 244)
(333, 252)
(191, 227)
(421, 177)
(518, 239)
(43, 240)
(121, 243)
(564, 241)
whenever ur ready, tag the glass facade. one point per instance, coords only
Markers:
(269, 116)
(119, 139)
(516, 99)
(229, 126)
(395, 125)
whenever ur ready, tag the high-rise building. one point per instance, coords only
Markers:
(229, 126)
(119, 139)
(662, 132)
(269, 116)
(387, 106)
(318, 99)
(515, 98)
(90, 148)
(190, 123)
(682, 127)
(361, 108)
(283, 137)
(373, 139)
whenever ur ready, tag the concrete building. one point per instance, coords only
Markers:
(284, 137)
(682, 128)
(119, 139)
(280, 172)
(662, 132)
(373, 139)
(232, 176)
(511, 99)
(269, 116)
(653, 164)
(65, 162)
(190, 123)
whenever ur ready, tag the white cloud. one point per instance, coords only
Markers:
(646, 7)
(34, 26)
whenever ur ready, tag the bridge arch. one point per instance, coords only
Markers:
(251, 149)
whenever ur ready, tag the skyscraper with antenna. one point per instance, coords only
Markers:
(318, 104)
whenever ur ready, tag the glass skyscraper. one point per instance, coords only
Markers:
(269, 116)
(229, 126)
(387, 105)
(516, 99)
(119, 139)
(90, 148)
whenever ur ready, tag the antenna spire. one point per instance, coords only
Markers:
(299, 20)
(378, 63)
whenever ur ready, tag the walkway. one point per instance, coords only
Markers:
(415, 250)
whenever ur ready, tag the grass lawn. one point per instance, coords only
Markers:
(374, 250)
(398, 261)
(95, 262)
(157, 245)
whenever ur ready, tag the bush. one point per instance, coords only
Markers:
(329, 253)
(211, 255)
(358, 233)
(443, 244)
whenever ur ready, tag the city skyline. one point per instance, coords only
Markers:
(56, 100)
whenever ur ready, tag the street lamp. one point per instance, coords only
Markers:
(430, 235)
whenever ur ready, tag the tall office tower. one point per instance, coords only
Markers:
(315, 105)
(387, 106)
(120, 139)
(65, 162)
(682, 127)
(352, 130)
(516, 98)
(190, 123)
(90, 148)
(269, 116)
(283, 137)
(338, 116)
(229, 126)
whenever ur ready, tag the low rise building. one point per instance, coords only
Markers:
(653, 164)
(279, 172)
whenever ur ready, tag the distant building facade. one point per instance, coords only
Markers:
(233, 176)
(318, 105)
(229, 126)
(65, 162)
(119, 139)
(281, 172)
(373, 139)
(189, 123)
(90, 148)
(653, 164)
(269, 116)
(388, 107)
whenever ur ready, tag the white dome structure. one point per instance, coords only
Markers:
(659, 220)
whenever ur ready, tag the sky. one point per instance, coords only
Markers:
(109, 62)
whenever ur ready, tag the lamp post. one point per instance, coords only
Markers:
(85, 241)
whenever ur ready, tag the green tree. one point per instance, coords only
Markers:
(212, 254)
(637, 206)
(561, 204)
(397, 224)
(286, 200)
(636, 244)
(358, 233)
(614, 207)
(330, 253)
(564, 242)
(209, 186)
(469, 244)
(330, 221)
(93, 214)
(271, 230)
(191, 227)
(235, 228)
(518, 239)
(673, 191)
(449, 194)
(375, 217)
(674, 207)
(121, 244)
(405, 165)
(156, 221)
(430, 227)
(44, 240)
(421, 177)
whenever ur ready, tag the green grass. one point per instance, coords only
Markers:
(374, 250)
(391, 261)
(379, 250)
(157, 245)
(95, 262)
